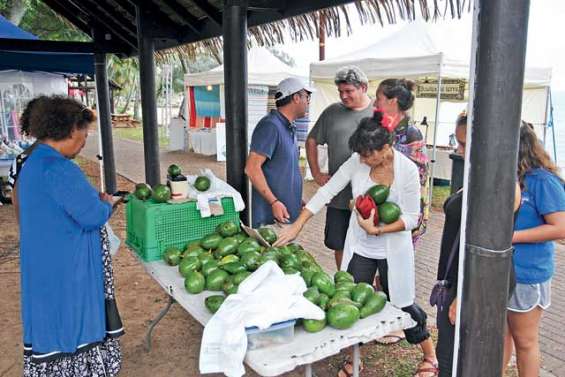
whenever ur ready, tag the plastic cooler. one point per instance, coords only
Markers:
(277, 333)
(153, 227)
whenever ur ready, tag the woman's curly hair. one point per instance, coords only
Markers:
(25, 119)
(55, 117)
(370, 135)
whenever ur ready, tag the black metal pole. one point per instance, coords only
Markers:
(103, 100)
(148, 102)
(500, 35)
(235, 78)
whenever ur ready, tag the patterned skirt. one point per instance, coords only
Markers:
(102, 359)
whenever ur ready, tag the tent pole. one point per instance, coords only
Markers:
(436, 124)
(235, 79)
(499, 40)
(552, 124)
(148, 101)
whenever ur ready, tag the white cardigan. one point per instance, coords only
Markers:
(405, 192)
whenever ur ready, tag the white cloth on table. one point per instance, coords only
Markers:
(398, 246)
(267, 296)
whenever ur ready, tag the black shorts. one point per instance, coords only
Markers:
(337, 222)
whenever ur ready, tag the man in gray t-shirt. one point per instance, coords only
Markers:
(334, 127)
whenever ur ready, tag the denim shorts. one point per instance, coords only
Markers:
(527, 296)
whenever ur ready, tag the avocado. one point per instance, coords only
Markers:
(379, 193)
(342, 316)
(314, 325)
(213, 303)
(172, 256)
(389, 212)
(374, 304)
(361, 293)
(215, 280)
(189, 264)
(194, 282)
(211, 241)
(324, 283)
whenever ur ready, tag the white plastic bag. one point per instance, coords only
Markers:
(113, 240)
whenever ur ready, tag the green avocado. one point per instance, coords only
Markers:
(312, 294)
(215, 280)
(374, 304)
(194, 282)
(161, 193)
(240, 277)
(226, 246)
(268, 234)
(361, 293)
(142, 191)
(314, 325)
(213, 303)
(172, 256)
(324, 283)
(379, 193)
(249, 245)
(228, 229)
(202, 183)
(389, 212)
(211, 241)
(343, 276)
(234, 267)
(209, 266)
(189, 264)
(342, 316)
(251, 260)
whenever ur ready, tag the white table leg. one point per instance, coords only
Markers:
(308, 370)
(356, 359)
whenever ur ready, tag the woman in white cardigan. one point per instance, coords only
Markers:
(386, 248)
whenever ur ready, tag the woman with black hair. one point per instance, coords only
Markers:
(69, 313)
(388, 248)
(395, 97)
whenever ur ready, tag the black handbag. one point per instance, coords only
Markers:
(440, 291)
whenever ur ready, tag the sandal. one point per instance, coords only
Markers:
(390, 339)
(347, 368)
(434, 369)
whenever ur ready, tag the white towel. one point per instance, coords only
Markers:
(267, 296)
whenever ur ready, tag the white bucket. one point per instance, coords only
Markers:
(179, 189)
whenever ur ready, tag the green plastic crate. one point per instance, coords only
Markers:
(153, 227)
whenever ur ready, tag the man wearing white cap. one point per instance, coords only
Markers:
(272, 165)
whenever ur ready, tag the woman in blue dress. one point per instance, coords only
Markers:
(69, 314)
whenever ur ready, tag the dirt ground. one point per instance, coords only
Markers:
(176, 340)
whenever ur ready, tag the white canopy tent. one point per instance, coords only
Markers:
(425, 52)
(263, 68)
(265, 71)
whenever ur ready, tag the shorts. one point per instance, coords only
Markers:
(527, 296)
(337, 222)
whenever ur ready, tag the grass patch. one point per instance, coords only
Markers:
(136, 134)
(439, 195)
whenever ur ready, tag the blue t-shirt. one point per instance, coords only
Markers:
(275, 138)
(543, 194)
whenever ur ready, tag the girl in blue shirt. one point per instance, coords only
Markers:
(540, 221)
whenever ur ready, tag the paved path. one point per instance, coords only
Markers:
(130, 163)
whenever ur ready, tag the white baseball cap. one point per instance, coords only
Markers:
(290, 86)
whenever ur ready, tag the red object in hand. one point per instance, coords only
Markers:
(364, 204)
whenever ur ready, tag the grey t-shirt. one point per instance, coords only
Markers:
(334, 127)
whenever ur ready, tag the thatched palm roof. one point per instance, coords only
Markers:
(189, 27)
(336, 21)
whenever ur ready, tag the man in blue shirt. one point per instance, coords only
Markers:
(273, 162)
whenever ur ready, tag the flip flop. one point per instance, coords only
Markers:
(390, 339)
(434, 368)
(347, 368)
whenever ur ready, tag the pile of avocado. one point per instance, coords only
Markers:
(388, 212)
(220, 261)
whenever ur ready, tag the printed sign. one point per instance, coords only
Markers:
(453, 89)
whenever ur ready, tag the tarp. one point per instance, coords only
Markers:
(56, 62)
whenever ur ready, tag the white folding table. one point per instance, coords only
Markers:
(305, 349)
